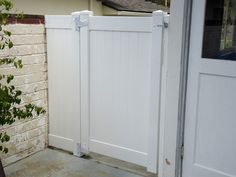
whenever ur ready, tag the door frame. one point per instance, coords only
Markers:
(172, 135)
(183, 88)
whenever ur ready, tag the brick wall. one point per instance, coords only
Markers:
(28, 136)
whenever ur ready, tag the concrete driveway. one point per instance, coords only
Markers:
(54, 163)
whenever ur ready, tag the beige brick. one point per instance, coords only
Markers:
(32, 146)
(42, 103)
(34, 142)
(31, 78)
(25, 29)
(21, 122)
(33, 59)
(27, 69)
(30, 125)
(34, 87)
(11, 150)
(28, 39)
(29, 60)
(19, 141)
(11, 131)
(24, 50)
(35, 132)
(29, 98)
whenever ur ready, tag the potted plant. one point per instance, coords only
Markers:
(11, 107)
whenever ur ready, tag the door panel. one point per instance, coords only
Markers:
(209, 140)
(215, 127)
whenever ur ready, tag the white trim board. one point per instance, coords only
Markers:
(170, 108)
(61, 142)
(119, 152)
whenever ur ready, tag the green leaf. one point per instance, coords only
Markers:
(10, 78)
(18, 93)
(10, 44)
(8, 33)
(5, 150)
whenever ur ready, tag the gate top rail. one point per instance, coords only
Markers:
(83, 18)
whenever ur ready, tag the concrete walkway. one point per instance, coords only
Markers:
(54, 163)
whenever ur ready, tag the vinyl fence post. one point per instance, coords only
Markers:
(81, 54)
(84, 79)
(76, 83)
(156, 66)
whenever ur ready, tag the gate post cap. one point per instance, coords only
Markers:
(160, 18)
(158, 13)
(86, 12)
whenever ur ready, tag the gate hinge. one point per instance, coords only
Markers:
(160, 19)
(80, 22)
(166, 20)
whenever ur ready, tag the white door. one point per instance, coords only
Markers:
(210, 125)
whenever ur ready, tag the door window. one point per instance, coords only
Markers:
(219, 41)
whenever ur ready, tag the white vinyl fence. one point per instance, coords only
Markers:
(105, 84)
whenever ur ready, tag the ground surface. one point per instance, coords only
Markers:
(126, 166)
(53, 163)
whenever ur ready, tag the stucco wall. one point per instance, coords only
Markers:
(107, 11)
(57, 7)
(28, 136)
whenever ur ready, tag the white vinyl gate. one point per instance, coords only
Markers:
(105, 84)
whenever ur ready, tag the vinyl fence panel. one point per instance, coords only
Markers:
(105, 76)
